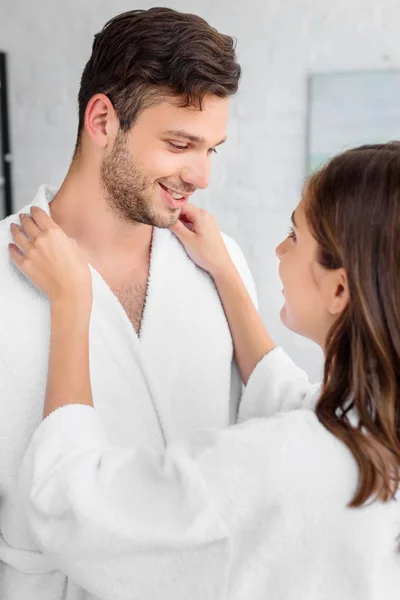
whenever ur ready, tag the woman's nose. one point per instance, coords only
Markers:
(280, 250)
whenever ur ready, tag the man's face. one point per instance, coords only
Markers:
(153, 169)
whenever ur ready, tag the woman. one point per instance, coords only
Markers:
(300, 505)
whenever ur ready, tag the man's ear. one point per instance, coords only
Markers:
(340, 292)
(101, 123)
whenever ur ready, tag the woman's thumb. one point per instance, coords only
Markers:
(181, 231)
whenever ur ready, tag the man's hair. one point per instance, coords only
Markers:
(142, 56)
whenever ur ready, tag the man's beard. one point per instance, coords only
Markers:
(125, 188)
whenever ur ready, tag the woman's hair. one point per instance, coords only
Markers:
(353, 210)
(141, 56)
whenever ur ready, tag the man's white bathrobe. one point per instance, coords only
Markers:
(253, 512)
(178, 377)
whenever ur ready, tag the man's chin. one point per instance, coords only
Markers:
(166, 220)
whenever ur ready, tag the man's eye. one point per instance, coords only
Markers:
(177, 147)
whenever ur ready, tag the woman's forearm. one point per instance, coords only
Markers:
(250, 337)
(68, 378)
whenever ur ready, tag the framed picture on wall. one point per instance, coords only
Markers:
(349, 109)
(6, 205)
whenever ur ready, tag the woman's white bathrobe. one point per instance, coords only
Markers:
(255, 511)
(178, 377)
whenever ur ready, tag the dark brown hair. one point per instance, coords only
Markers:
(143, 55)
(353, 209)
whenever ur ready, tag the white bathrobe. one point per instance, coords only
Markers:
(178, 377)
(253, 512)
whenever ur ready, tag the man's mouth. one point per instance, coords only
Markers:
(174, 194)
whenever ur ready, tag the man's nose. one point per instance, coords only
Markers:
(197, 173)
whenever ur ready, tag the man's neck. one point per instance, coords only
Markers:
(81, 210)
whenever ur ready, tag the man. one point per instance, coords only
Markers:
(153, 107)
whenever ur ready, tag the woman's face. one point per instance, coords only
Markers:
(314, 296)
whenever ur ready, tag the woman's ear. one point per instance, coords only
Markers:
(340, 292)
(101, 123)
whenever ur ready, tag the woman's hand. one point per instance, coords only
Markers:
(198, 231)
(49, 258)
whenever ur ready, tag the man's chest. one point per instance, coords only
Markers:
(132, 296)
(131, 291)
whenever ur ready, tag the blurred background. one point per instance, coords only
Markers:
(318, 76)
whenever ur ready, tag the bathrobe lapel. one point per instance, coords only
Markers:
(185, 341)
(173, 374)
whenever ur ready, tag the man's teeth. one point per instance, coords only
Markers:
(175, 195)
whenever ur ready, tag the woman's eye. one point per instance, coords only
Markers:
(177, 147)
(292, 234)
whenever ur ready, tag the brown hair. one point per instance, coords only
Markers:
(353, 209)
(143, 55)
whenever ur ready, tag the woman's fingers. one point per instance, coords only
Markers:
(25, 233)
(187, 221)
(16, 255)
(19, 238)
(29, 227)
(181, 231)
(190, 212)
(43, 220)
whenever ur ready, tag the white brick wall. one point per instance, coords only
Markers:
(257, 176)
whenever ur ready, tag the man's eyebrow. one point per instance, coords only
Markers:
(293, 219)
(185, 135)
